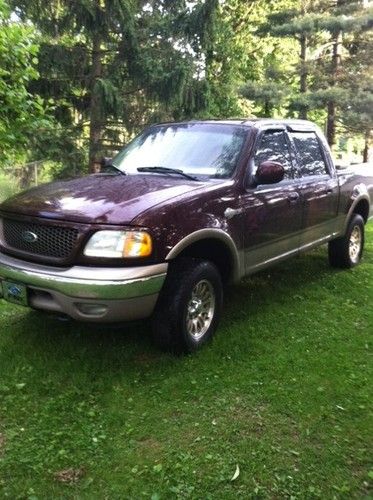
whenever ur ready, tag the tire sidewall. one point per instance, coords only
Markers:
(203, 271)
(357, 220)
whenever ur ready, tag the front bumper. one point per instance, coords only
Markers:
(88, 293)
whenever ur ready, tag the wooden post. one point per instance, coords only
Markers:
(36, 173)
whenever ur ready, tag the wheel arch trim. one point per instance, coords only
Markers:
(360, 193)
(208, 234)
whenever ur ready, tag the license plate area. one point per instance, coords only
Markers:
(15, 293)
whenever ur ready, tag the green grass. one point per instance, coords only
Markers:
(284, 392)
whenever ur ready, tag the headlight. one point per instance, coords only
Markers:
(117, 244)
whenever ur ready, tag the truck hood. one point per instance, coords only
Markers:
(102, 198)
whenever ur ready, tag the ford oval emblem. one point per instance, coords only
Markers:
(29, 237)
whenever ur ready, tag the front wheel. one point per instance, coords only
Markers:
(346, 252)
(188, 309)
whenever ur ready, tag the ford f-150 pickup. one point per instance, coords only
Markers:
(181, 211)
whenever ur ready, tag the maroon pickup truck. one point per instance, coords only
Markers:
(184, 209)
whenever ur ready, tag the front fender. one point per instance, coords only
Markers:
(211, 233)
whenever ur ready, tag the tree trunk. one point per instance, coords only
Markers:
(336, 63)
(366, 151)
(267, 109)
(330, 123)
(95, 108)
(303, 74)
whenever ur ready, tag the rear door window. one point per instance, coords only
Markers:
(310, 157)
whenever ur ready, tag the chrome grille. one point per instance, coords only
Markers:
(40, 239)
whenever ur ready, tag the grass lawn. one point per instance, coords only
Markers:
(284, 392)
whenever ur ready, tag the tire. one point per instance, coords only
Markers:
(180, 324)
(346, 252)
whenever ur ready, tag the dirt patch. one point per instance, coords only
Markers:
(69, 475)
(150, 445)
(149, 448)
(145, 358)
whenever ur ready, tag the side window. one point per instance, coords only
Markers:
(310, 156)
(273, 146)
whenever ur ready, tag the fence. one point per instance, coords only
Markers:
(25, 176)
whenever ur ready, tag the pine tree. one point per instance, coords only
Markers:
(266, 79)
(347, 17)
(323, 29)
(106, 60)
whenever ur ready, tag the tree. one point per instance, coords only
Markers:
(109, 64)
(289, 22)
(261, 61)
(347, 21)
(113, 66)
(356, 115)
(23, 116)
(326, 33)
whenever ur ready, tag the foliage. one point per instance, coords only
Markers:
(269, 95)
(105, 69)
(284, 392)
(23, 116)
(332, 67)
(137, 61)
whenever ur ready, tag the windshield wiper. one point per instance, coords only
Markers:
(166, 170)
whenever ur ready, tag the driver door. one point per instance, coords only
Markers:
(272, 214)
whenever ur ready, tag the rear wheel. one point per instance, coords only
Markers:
(346, 252)
(188, 309)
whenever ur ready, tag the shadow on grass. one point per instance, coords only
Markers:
(252, 297)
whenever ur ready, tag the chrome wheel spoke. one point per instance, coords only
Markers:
(355, 243)
(200, 309)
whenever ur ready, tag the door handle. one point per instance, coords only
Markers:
(293, 197)
(231, 212)
(323, 191)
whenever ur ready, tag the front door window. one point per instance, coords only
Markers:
(273, 146)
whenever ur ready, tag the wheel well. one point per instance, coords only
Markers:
(215, 251)
(362, 208)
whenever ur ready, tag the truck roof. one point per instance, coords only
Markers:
(290, 124)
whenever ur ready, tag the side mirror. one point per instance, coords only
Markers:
(269, 172)
(342, 166)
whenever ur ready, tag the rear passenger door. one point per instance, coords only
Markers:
(318, 188)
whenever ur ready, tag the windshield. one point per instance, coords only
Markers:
(197, 149)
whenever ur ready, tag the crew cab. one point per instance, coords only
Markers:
(181, 211)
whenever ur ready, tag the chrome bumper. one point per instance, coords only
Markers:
(122, 293)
